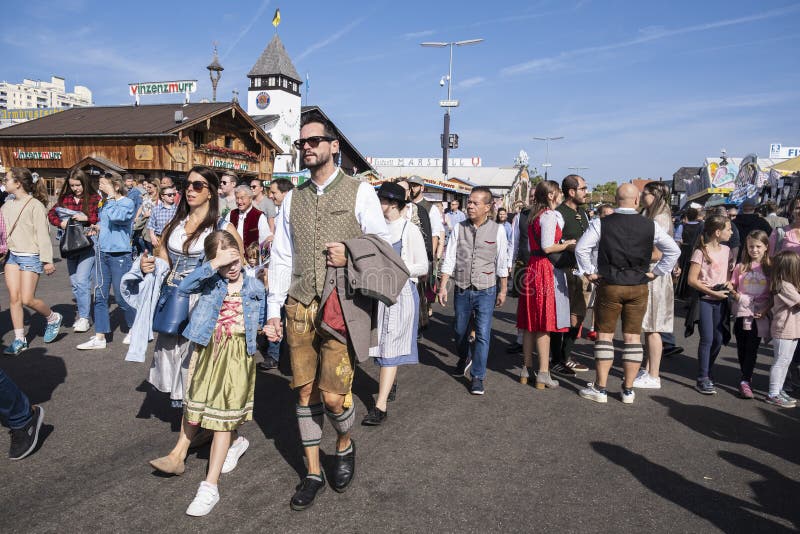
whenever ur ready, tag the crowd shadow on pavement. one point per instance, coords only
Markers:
(36, 372)
(157, 404)
(774, 438)
(727, 513)
(274, 413)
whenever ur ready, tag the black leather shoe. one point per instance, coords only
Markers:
(375, 417)
(459, 368)
(344, 469)
(267, 365)
(392, 393)
(306, 492)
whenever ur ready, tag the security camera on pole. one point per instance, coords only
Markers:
(448, 141)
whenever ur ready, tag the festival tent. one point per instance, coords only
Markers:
(789, 166)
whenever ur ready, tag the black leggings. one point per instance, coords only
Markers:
(747, 342)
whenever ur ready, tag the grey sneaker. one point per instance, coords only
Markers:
(780, 401)
(706, 387)
(593, 394)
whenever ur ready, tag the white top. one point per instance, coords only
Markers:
(437, 226)
(263, 225)
(413, 251)
(548, 222)
(500, 264)
(368, 213)
(178, 236)
(588, 243)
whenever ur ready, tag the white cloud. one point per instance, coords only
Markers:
(649, 34)
(416, 35)
(247, 28)
(329, 40)
(470, 82)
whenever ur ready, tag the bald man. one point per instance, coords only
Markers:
(624, 243)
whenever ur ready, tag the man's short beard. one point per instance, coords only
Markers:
(417, 194)
(321, 161)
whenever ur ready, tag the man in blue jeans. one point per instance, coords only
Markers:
(476, 256)
(17, 414)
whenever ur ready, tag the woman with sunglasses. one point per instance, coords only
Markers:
(112, 259)
(30, 253)
(79, 201)
(196, 217)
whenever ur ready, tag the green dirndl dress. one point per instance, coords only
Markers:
(222, 376)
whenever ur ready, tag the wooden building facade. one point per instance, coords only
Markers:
(150, 141)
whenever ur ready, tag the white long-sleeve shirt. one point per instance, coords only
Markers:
(500, 263)
(585, 250)
(413, 248)
(263, 225)
(368, 213)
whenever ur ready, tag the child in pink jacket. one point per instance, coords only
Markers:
(785, 328)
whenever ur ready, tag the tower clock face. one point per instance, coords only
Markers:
(290, 117)
(262, 100)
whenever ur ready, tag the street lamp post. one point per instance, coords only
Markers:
(547, 140)
(449, 102)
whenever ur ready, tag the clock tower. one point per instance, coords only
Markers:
(273, 100)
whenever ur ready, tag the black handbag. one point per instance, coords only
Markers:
(562, 260)
(73, 239)
(172, 309)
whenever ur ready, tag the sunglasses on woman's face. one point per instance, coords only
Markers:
(169, 194)
(197, 185)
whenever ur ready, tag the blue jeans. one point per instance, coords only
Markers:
(274, 347)
(80, 268)
(15, 409)
(110, 268)
(668, 339)
(480, 303)
(710, 337)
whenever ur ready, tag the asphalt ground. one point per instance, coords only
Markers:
(516, 459)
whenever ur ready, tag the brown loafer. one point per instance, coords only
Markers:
(165, 464)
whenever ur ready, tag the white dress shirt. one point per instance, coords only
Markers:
(437, 226)
(500, 263)
(263, 225)
(585, 250)
(368, 213)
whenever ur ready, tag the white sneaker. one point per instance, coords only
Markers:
(94, 343)
(628, 398)
(204, 501)
(81, 325)
(235, 452)
(127, 340)
(646, 381)
(592, 394)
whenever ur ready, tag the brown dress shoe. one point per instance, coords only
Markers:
(165, 464)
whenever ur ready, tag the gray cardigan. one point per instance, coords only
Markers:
(374, 271)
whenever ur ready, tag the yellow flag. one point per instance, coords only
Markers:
(277, 18)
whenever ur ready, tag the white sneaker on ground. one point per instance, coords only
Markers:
(593, 394)
(235, 452)
(93, 344)
(81, 325)
(646, 381)
(628, 398)
(127, 340)
(204, 501)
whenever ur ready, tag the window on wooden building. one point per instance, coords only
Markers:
(228, 141)
(197, 138)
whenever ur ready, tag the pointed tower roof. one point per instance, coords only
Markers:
(274, 60)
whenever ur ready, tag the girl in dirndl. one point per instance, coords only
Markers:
(223, 326)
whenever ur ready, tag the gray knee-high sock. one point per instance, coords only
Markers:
(310, 421)
(342, 422)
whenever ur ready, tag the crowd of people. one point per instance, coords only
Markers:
(334, 273)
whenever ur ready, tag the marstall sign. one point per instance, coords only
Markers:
(47, 154)
(232, 165)
(162, 88)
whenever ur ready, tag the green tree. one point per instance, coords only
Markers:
(604, 192)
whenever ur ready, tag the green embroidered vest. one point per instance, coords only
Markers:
(316, 220)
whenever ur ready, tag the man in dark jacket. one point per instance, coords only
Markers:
(748, 220)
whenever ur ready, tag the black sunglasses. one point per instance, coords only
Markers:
(168, 194)
(197, 185)
(312, 141)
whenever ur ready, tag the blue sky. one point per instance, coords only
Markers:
(637, 88)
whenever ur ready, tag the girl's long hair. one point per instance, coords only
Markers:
(89, 190)
(37, 190)
(660, 192)
(182, 212)
(541, 200)
(710, 227)
(785, 268)
(758, 235)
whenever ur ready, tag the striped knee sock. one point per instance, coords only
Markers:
(342, 422)
(604, 350)
(310, 421)
(632, 352)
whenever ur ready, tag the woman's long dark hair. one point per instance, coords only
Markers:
(541, 200)
(182, 212)
(88, 189)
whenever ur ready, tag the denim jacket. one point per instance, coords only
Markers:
(212, 289)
